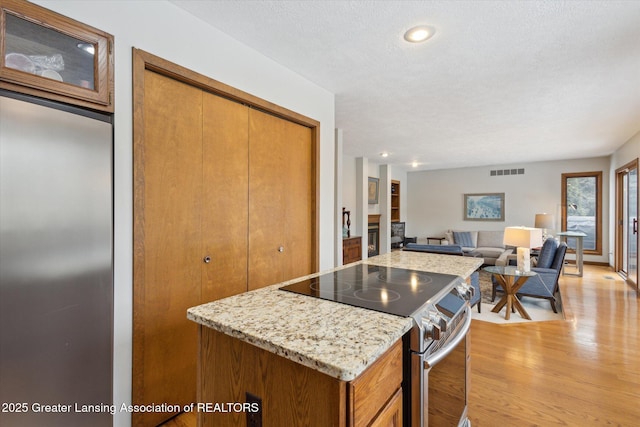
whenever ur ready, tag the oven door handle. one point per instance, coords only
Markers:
(436, 357)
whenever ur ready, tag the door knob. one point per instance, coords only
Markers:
(281, 249)
(207, 259)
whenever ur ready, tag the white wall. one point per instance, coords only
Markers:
(349, 199)
(166, 31)
(435, 199)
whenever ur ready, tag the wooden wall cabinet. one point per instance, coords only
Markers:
(48, 55)
(293, 394)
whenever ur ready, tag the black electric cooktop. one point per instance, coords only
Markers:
(387, 289)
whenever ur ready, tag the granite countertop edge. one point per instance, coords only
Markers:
(336, 339)
(343, 369)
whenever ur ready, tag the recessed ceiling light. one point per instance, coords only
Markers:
(419, 34)
(384, 154)
(415, 164)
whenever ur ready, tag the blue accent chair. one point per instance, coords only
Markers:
(545, 283)
(451, 250)
(477, 296)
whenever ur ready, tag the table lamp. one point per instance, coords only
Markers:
(546, 222)
(523, 238)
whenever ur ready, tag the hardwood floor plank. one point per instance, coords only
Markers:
(580, 372)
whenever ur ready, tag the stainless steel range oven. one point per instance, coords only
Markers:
(438, 363)
(436, 356)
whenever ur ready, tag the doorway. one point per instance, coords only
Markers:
(627, 222)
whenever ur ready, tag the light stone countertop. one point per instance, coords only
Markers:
(337, 339)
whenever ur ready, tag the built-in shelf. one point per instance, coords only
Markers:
(395, 201)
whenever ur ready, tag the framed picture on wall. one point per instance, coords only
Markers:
(484, 207)
(374, 183)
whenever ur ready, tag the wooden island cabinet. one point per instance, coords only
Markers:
(308, 361)
(231, 370)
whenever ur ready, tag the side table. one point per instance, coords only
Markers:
(439, 239)
(511, 281)
(579, 236)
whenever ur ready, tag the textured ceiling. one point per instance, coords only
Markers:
(500, 82)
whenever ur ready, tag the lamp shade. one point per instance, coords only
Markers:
(523, 237)
(545, 221)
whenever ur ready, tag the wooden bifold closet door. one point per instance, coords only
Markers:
(167, 273)
(280, 194)
(224, 202)
(195, 230)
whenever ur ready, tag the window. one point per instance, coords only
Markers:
(582, 208)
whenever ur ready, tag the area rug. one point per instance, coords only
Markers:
(539, 309)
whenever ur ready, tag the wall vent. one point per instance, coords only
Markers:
(503, 172)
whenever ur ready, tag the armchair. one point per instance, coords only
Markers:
(397, 234)
(477, 295)
(545, 283)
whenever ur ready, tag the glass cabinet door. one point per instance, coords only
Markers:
(62, 59)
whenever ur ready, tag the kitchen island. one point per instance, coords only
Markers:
(305, 358)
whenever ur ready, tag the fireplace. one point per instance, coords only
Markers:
(374, 235)
(374, 240)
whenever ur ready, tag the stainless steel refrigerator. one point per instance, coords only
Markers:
(56, 264)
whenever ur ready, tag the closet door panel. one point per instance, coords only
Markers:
(267, 163)
(299, 202)
(225, 197)
(169, 171)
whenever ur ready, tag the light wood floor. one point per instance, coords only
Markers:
(584, 371)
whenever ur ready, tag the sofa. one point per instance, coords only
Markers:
(484, 244)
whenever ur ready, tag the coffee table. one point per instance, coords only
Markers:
(511, 281)
(438, 238)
